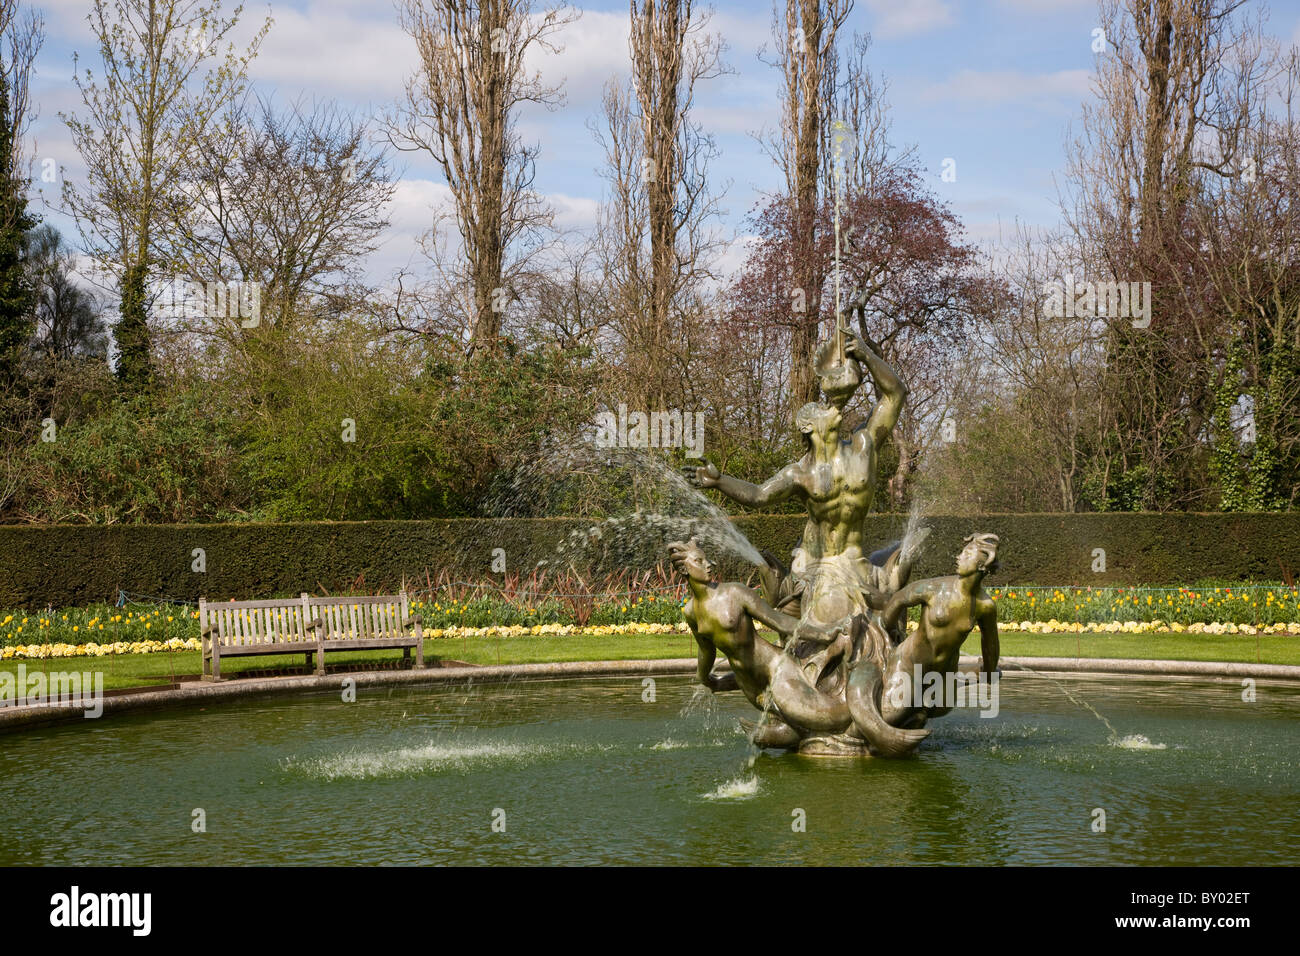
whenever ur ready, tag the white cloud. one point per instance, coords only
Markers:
(573, 212)
(733, 255)
(723, 118)
(891, 18)
(1006, 86)
(411, 213)
(594, 49)
(354, 53)
(415, 204)
(1049, 7)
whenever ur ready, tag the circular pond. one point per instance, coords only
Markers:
(592, 771)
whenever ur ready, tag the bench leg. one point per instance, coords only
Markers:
(406, 656)
(309, 654)
(419, 650)
(320, 659)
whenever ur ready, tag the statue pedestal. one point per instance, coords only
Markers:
(838, 745)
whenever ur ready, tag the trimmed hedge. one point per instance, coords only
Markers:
(65, 566)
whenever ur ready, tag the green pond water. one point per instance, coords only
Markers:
(588, 772)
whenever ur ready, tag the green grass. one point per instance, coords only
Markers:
(1234, 648)
(1240, 603)
(139, 670)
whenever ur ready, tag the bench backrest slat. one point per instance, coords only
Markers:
(236, 623)
(344, 618)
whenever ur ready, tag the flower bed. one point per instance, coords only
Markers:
(470, 611)
(1258, 605)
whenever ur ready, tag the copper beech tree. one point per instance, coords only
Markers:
(920, 283)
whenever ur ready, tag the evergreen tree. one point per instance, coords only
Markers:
(131, 332)
(17, 295)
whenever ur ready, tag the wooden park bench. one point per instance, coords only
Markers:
(307, 625)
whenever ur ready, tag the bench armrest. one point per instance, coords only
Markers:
(413, 619)
(208, 631)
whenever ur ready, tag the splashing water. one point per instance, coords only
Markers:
(702, 719)
(702, 702)
(1136, 742)
(738, 788)
(641, 500)
(427, 758)
(914, 532)
(1079, 702)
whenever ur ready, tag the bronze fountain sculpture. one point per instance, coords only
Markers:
(845, 679)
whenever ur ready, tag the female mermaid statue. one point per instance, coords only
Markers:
(721, 616)
(950, 608)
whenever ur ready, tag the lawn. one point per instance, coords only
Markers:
(138, 670)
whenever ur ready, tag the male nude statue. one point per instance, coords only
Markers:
(836, 479)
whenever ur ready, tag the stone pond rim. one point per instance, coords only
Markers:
(198, 693)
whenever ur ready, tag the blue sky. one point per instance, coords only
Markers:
(992, 84)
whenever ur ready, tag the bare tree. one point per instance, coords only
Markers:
(68, 320)
(656, 247)
(292, 200)
(22, 32)
(671, 53)
(1244, 234)
(165, 81)
(1176, 86)
(461, 107)
(804, 45)
(860, 102)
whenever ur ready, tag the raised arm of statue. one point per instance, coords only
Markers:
(784, 624)
(777, 488)
(890, 390)
(760, 610)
